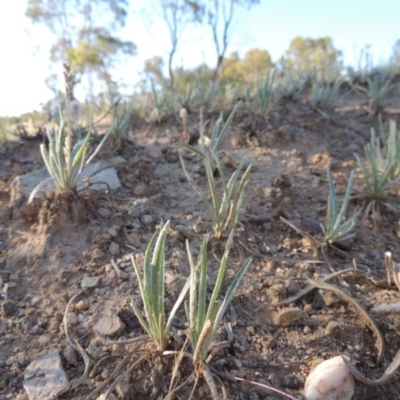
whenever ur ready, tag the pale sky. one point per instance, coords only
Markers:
(271, 25)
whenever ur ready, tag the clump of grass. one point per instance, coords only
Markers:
(65, 161)
(223, 212)
(266, 97)
(378, 86)
(205, 93)
(323, 94)
(203, 319)
(121, 119)
(218, 133)
(339, 229)
(152, 287)
(381, 168)
(164, 103)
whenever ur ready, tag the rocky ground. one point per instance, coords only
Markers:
(63, 245)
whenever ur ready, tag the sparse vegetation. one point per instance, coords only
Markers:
(152, 290)
(380, 170)
(241, 106)
(339, 228)
(203, 319)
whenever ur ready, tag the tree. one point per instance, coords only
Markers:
(153, 68)
(318, 55)
(254, 66)
(85, 34)
(220, 19)
(177, 15)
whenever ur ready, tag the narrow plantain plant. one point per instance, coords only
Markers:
(323, 94)
(224, 212)
(380, 171)
(378, 86)
(338, 228)
(151, 284)
(218, 133)
(203, 319)
(65, 162)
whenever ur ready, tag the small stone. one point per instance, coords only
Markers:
(9, 308)
(45, 378)
(110, 324)
(288, 316)
(35, 300)
(90, 282)
(20, 358)
(140, 189)
(238, 363)
(114, 249)
(104, 213)
(95, 352)
(140, 207)
(112, 232)
(134, 239)
(34, 330)
(97, 253)
(10, 360)
(307, 330)
(105, 373)
(44, 339)
(72, 318)
(70, 355)
(153, 152)
(146, 219)
(82, 305)
(21, 396)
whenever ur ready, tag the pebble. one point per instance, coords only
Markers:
(44, 339)
(146, 219)
(20, 358)
(288, 316)
(105, 374)
(70, 355)
(90, 282)
(10, 360)
(112, 232)
(45, 377)
(114, 249)
(134, 239)
(140, 207)
(95, 352)
(9, 308)
(109, 324)
(104, 212)
(72, 318)
(82, 305)
(140, 189)
(97, 253)
(35, 300)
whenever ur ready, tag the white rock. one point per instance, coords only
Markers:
(330, 380)
(45, 378)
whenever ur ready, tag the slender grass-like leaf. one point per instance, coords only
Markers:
(223, 212)
(381, 168)
(337, 228)
(203, 320)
